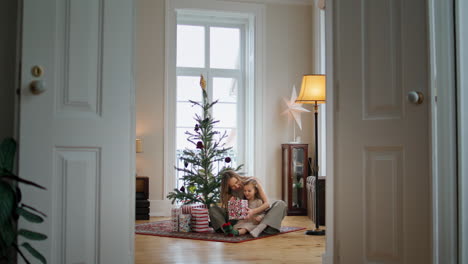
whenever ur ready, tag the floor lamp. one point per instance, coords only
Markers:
(313, 92)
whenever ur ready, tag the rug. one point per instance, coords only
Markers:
(164, 229)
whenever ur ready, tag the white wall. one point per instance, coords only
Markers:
(8, 16)
(149, 82)
(288, 56)
(289, 49)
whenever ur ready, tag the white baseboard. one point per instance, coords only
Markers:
(284, 2)
(160, 208)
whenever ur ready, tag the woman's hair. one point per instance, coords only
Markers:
(226, 191)
(253, 182)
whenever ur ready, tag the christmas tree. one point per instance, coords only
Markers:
(201, 182)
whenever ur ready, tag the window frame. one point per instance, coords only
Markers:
(254, 16)
(211, 73)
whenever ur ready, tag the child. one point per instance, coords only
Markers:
(247, 226)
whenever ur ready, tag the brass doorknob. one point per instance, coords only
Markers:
(415, 97)
(37, 87)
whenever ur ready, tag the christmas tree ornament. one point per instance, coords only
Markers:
(199, 145)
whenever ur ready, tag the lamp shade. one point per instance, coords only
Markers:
(139, 146)
(312, 89)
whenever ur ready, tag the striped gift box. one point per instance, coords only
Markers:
(202, 229)
(200, 220)
(200, 213)
(187, 208)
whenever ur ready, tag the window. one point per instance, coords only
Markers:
(224, 41)
(214, 47)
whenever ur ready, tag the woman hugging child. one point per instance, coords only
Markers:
(242, 227)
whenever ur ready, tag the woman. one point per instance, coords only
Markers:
(232, 187)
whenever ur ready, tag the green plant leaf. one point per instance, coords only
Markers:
(31, 217)
(33, 209)
(18, 179)
(31, 235)
(7, 234)
(7, 154)
(34, 252)
(7, 198)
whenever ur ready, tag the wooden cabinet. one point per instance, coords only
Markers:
(294, 175)
(141, 196)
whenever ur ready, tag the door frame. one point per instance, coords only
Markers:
(461, 33)
(441, 42)
(329, 256)
(444, 131)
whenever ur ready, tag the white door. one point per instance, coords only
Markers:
(76, 137)
(382, 168)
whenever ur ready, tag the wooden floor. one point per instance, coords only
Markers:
(294, 247)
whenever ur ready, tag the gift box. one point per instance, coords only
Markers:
(180, 222)
(184, 223)
(175, 212)
(200, 220)
(200, 214)
(237, 209)
(187, 208)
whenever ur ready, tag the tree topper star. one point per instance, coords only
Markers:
(294, 109)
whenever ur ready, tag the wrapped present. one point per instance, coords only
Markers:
(175, 212)
(180, 222)
(237, 209)
(184, 222)
(200, 214)
(203, 229)
(200, 220)
(187, 208)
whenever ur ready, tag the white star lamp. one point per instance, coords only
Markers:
(294, 111)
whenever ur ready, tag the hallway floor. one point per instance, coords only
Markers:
(292, 247)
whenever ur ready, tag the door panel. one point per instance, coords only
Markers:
(76, 138)
(382, 144)
(79, 76)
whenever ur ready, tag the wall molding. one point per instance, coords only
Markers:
(281, 2)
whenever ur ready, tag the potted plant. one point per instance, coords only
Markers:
(11, 209)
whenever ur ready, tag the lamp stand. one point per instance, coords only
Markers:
(317, 231)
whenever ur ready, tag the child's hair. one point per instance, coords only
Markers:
(254, 183)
